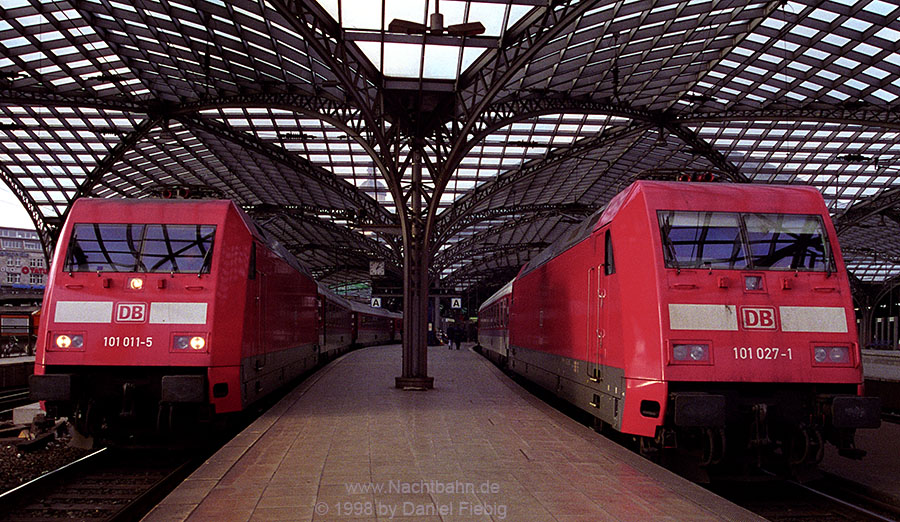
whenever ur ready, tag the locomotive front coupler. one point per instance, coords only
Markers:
(850, 411)
(843, 415)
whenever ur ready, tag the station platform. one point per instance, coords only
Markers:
(879, 471)
(881, 369)
(346, 444)
(14, 371)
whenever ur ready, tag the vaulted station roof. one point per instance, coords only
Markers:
(307, 114)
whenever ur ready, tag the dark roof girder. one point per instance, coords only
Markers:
(300, 165)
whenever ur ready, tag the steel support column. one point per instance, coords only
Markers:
(416, 261)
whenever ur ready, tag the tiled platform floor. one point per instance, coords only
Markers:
(347, 445)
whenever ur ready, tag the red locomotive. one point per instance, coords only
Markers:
(712, 318)
(159, 311)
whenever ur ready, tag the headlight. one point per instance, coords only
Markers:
(195, 343)
(135, 283)
(832, 354)
(821, 354)
(839, 354)
(753, 283)
(691, 352)
(69, 341)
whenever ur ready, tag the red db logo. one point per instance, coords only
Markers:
(131, 312)
(758, 318)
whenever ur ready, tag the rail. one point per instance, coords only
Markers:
(828, 498)
(109, 484)
(13, 398)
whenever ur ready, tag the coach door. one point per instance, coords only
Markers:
(593, 341)
(595, 328)
(598, 312)
(259, 358)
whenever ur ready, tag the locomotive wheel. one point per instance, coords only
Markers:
(818, 445)
(713, 447)
(649, 449)
(800, 446)
(84, 418)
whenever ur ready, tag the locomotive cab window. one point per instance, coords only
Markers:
(702, 240)
(140, 248)
(729, 240)
(788, 242)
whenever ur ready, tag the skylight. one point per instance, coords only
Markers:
(427, 56)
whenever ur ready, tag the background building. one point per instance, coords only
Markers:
(23, 270)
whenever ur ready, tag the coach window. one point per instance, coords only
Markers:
(609, 263)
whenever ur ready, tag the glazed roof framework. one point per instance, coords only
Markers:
(295, 109)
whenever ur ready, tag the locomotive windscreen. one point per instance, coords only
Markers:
(744, 241)
(164, 248)
(702, 240)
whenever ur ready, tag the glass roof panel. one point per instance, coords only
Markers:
(400, 55)
(692, 58)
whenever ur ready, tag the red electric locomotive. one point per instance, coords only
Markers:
(159, 311)
(708, 317)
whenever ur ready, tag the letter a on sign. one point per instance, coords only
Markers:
(456, 302)
(376, 302)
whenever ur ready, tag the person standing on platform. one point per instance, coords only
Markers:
(456, 335)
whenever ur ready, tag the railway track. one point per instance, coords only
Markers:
(13, 397)
(109, 484)
(828, 499)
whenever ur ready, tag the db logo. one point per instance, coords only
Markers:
(131, 312)
(758, 318)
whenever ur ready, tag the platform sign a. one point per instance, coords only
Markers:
(456, 302)
(376, 302)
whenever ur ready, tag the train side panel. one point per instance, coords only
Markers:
(493, 326)
(336, 328)
(630, 365)
(280, 323)
(574, 331)
(373, 328)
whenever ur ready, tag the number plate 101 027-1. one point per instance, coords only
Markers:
(743, 353)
